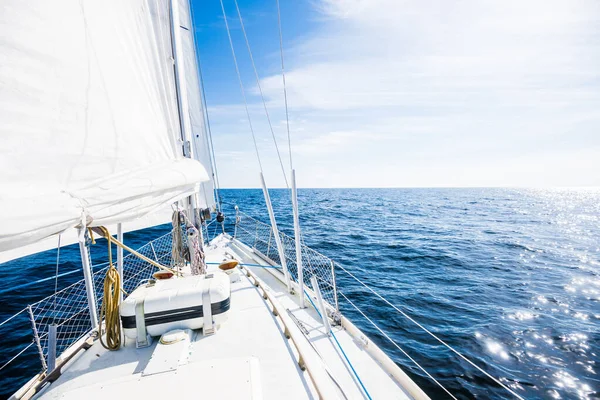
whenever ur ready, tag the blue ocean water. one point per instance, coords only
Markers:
(508, 277)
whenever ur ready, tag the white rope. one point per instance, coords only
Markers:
(287, 118)
(432, 334)
(177, 251)
(261, 92)
(397, 346)
(17, 355)
(237, 70)
(197, 265)
(10, 318)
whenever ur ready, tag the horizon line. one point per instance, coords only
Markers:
(419, 187)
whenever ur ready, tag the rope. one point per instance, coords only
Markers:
(138, 255)
(11, 289)
(341, 349)
(237, 70)
(10, 318)
(178, 250)
(261, 92)
(432, 334)
(17, 355)
(249, 265)
(109, 312)
(398, 347)
(216, 226)
(197, 265)
(287, 118)
(192, 251)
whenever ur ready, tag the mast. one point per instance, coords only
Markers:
(191, 203)
(182, 100)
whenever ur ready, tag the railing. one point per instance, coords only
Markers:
(259, 236)
(68, 310)
(211, 230)
(27, 330)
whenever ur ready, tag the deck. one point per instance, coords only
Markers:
(249, 356)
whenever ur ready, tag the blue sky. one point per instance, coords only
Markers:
(393, 93)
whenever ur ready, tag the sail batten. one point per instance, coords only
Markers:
(88, 116)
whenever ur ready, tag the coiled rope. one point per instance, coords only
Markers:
(109, 312)
(197, 265)
(179, 251)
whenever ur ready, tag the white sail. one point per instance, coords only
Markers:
(199, 137)
(88, 116)
(162, 216)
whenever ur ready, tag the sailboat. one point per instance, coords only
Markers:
(104, 131)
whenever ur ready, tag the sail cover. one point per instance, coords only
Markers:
(88, 116)
(199, 135)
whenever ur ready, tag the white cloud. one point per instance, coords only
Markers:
(445, 93)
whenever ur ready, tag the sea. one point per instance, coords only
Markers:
(509, 278)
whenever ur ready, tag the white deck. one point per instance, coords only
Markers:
(248, 357)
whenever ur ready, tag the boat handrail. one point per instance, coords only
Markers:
(71, 314)
(67, 308)
(404, 314)
(260, 239)
(308, 359)
(259, 236)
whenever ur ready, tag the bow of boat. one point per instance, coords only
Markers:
(269, 347)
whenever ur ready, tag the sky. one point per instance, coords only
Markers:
(393, 93)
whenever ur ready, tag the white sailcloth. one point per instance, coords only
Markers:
(88, 116)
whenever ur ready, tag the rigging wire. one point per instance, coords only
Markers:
(10, 318)
(291, 168)
(237, 70)
(362, 385)
(17, 355)
(31, 283)
(211, 146)
(261, 92)
(287, 118)
(397, 346)
(431, 334)
(210, 139)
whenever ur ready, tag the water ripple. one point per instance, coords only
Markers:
(510, 278)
